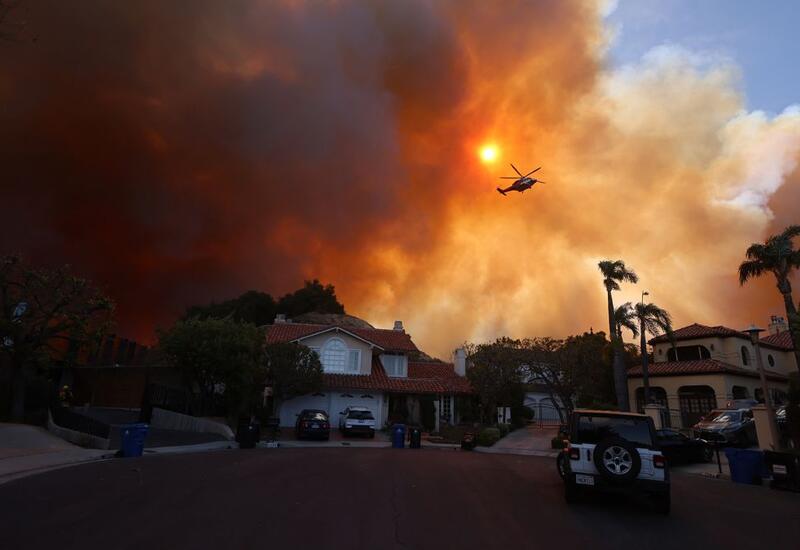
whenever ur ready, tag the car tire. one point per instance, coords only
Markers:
(707, 454)
(617, 453)
(571, 492)
(662, 503)
(561, 465)
(372, 434)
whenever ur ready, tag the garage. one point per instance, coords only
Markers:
(340, 400)
(291, 408)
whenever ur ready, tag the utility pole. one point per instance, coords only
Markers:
(753, 331)
(643, 346)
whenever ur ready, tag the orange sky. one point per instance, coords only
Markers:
(178, 157)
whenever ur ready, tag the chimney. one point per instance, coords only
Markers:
(460, 361)
(398, 325)
(777, 324)
(280, 318)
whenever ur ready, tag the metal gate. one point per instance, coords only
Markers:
(548, 414)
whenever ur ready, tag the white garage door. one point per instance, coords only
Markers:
(291, 408)
(343, 399)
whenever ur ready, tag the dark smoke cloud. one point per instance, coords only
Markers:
(181, 152)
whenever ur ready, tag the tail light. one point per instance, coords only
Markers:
(306, 423)
(573, 452)
(659, 461)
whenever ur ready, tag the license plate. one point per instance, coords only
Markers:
(778, 469)
(584, 480)
(315, 426)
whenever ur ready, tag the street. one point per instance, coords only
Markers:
(370, 498)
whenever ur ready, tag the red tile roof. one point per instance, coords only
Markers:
(697, 330)
(703, 366)
(424, 378)
(780, 340)
(387, 339)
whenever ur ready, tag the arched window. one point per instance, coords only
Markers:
(771, 360)
(745, 356)
(334, 355)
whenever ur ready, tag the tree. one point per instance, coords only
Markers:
(253, 307)
(777, 256)
(495, 372)
(570, 369)
(260, 308)
(291, 369)
(314, 296)
(615, 272)
(216, 356)
(46, 315)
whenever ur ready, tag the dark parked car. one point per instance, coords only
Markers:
(727, 427)
(681, 449)
(313, 423)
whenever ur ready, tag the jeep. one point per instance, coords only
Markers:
(614, 452)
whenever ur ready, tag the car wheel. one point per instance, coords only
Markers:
(617, 460)
(372, 434)
(662, 503)
(561, 465)
(707, 454)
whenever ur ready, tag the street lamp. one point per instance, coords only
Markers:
(753, 331)
(643, 345)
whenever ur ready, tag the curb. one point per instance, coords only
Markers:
(518, 452)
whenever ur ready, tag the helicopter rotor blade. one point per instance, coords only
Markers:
(531, 172)
(517, 171)
(508, 177)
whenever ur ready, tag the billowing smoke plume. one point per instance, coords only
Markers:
(182, 153)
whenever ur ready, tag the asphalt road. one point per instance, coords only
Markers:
(370, 499)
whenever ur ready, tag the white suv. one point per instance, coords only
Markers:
(357, 420)
(614, 451)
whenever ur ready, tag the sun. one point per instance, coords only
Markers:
(488, 153)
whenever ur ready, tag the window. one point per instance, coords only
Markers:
(771, 360)
(395, 365)
(745, 356)
(446, 408)
(336, 357)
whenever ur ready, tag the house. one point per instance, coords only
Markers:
(710, 365)
(381, 369)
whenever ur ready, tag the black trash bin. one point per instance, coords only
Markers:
(248, 433)
(468, 441)
(415, 438)
(784, 468)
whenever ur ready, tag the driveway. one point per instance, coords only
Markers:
(367, 499)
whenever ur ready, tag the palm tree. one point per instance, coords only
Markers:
(778, 256)
(615, 272)
(625, 317)
(656, 321)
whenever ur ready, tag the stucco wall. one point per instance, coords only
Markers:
(352, 343)
(722, 384)
(728, 350)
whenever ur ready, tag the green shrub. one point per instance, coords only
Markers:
(488, 437)
(504, 429)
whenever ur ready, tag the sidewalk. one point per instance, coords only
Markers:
(527, 441)
(28, 449)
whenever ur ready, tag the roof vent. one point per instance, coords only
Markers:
(398, 325)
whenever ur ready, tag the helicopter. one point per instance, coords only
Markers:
(522, 183)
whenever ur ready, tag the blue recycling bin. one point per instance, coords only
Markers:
(746, 466)
(398, 436)
(133, 436)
